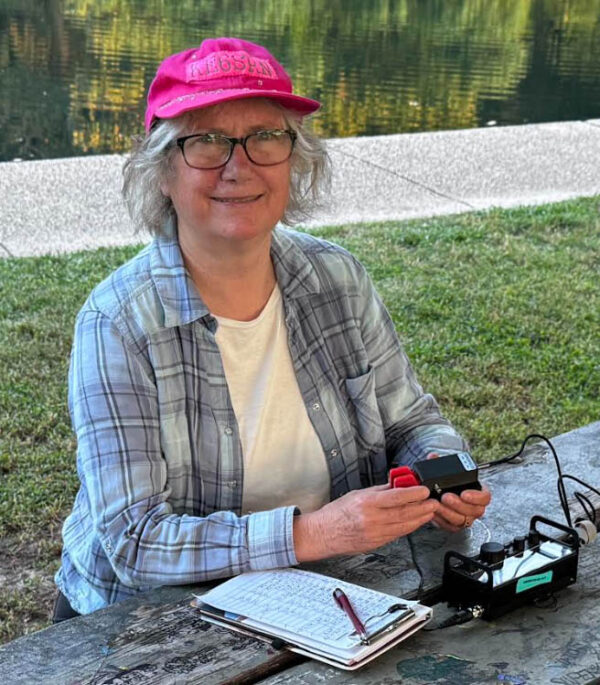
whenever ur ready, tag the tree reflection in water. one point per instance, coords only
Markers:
(73, 73)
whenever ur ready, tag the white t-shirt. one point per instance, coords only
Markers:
(284, 461)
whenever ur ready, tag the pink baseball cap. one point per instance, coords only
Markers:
(220, 70)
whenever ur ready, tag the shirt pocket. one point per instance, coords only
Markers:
(369, 430)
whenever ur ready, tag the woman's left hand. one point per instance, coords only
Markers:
(459, 511)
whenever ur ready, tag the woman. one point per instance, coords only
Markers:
(238, 390)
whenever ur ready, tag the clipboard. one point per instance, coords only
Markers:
(261, 604)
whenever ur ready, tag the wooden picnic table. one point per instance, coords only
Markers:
(159, 638)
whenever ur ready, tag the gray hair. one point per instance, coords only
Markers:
(151, 161)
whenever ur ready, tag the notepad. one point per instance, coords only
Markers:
(296, 609)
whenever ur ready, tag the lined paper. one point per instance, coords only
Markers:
(301, 603)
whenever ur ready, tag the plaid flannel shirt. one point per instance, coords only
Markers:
(159, 456)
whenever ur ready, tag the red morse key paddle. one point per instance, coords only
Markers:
(448, 473)
(403, 477)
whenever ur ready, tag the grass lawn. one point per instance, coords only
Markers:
(499, 312)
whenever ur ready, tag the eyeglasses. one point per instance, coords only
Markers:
(212, 150)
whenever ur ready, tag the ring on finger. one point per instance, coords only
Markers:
(467, 523)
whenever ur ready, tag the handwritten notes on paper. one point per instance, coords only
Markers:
(269, 598)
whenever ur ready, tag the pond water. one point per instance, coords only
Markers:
(73, 73)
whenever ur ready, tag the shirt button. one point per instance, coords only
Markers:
(316, 406)
(334, 453)
(109, 547)
(232, 484)
(228, 431)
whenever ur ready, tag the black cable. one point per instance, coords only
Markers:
(413, 554)
(457, 619)
(587, 507)
(582, 482)
(585, 503)
(562, 494)
(505, 460)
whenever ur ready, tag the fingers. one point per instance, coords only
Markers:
(440, 522)
(408, 513)
(454, 510)
(447, 516)
(471, 503)
(378, 488)
(406, 520)
(389, 507)
(369, 518)
(397, 497)
(481, 497)
(418, 523)
(363, 520)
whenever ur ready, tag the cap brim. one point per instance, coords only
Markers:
(200, 100)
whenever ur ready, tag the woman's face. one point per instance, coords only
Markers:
(237, 202)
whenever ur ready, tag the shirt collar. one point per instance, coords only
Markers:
(179, 297)
(295, 272)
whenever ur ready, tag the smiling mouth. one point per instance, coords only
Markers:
(237, 200)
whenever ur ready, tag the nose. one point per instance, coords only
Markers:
(238, 165)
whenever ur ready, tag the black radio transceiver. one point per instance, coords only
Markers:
(504, 577)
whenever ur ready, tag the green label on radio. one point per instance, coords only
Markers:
(529, 582)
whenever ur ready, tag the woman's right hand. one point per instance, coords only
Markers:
(362, 520)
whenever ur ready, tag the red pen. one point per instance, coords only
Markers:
(343, 602)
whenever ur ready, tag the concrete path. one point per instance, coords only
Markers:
(54, 206)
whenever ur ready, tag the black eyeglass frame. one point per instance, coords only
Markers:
(232, 143)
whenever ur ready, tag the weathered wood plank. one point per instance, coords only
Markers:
(158, 637)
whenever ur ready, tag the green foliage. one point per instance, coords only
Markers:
(39, 298)
(499, 312)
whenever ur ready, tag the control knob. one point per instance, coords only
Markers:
(492, 553)
(519, 545)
